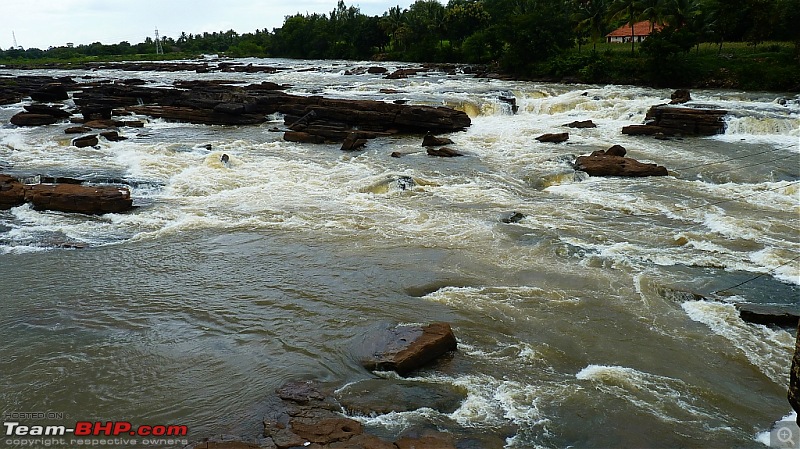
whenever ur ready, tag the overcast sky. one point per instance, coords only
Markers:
(46, 23)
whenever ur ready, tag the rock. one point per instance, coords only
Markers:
(50, 93)
(438, 441)
(129, 123)
(443, 152)
(324, 426)
(406, 348)
(672, 120)
(47, 110)
(514, 217)
(390, 91)
(794, 378)
(581, 124)
(77, 130)
(295, 136)
(12, 192)
(600, 163)
(112, 136)
(512, 101)
(616, 150)
(96, 112)
(30, 119)
(432, 141)
(198, 116)
(377, 70)
(300, 392)
(93, 200)
(380, 396)
(100, 124)
(553, 138)
(396, 154)
(352, 142)
(85, 141)
(680, 96)
(403, 73)
(783, 316)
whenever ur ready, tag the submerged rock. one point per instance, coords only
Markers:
(406, 348)
(514, 217)
(381, 396)
(443, 152)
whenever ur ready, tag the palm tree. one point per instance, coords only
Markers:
(591, 17)
(652, 11)
(627, 10)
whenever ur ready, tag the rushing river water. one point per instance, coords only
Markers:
(230, 280)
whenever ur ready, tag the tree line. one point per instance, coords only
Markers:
(515, 34)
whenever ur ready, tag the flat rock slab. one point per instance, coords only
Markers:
(381, 396)
(32, 119)
(553, 138)
(672, 120)
(405, 348)
(92, 200)
(784, 316)
(12, 192)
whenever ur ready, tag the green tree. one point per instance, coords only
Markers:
(627, 11)
(590, 18)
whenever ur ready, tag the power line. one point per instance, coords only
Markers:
(757, 277)
(734, 158)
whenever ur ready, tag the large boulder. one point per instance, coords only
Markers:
(85, 141)
(680, 96)
(406, 348)
(602, 163)
(47, 110)
(79, 198)
(443, 152)
(794, 378)
(12, 192)
(432, 141)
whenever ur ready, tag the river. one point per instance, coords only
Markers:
(574, 325)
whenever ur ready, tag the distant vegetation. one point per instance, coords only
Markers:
(752, 44)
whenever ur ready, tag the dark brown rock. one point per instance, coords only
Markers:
(784, 316)
(300, 392)
(197, 115)
(112, 136)
(432, 141)
(599, 163)
(794, 378)
(616, 150)
(352, 142)
(50, 93)
(403, 73)
(406, 348)
(12, 192)
(30, 119)
(85, 141)
(581, 124)
(396, 154)
(553, 138)
(377, 70)
(47, 110)
(79, 198)
(302, 137)
(672, 120)
(77, 130)
(437, 441)
(100, 124)
(680, 96)
(324, 427)
(443, 152)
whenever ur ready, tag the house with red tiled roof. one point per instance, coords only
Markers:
(640, 32)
